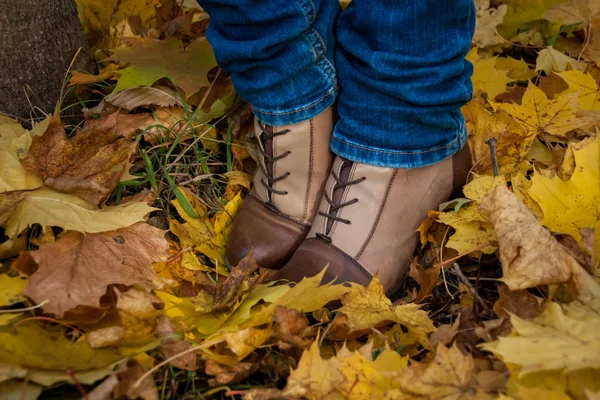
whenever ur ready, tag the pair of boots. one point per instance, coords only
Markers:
(308, 209)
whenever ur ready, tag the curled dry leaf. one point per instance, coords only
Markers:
(230, 291)
(129, 99)
(136, 314)
(173, 344)
(128, 374)
(290, 328)
(530, 255)
(77, 269)
(90, 164)
(229, 374)
(487, 21)
(426, 278)
(519, 302)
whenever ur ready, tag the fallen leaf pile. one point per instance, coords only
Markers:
(114, 283)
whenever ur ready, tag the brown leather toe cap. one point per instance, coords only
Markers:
(313, 255)
(273, 236)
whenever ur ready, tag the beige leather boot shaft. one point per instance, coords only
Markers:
(368, 219)
(277, 214)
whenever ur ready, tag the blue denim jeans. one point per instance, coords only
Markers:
(396, 68)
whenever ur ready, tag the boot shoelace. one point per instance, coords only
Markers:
(333, 207)
(268, 184)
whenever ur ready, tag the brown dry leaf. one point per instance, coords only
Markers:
(447, 376)
(519, 302)
(488, 20)
(444, 334)
(290, 328)
(228, 374)
(530, 255)
(172, 344)
(77, 269)
(128, 374)
(129, 99)
(133, 324)
(9, 202)
(244, 341)
(426, 278)
(231, 290)
(88, 165)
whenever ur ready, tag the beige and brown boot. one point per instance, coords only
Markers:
(277, 214)
(368, 219)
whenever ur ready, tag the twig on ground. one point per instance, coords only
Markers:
(463, 279)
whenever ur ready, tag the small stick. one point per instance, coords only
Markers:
(77, 384)
(458, 272)
(492, 143)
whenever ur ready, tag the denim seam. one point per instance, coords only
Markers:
(327, 68)
(398, 152)
(309, 11)
(325, 96)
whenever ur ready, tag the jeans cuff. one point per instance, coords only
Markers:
(304, 113)
(396, 158)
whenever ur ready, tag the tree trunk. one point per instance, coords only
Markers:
(38, 40)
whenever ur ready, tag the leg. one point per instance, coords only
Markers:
(279, 54)
(404, 78)
(280, 57)
(402, 68)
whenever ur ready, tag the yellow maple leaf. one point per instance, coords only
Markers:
(205, 235)
(563, 337)
(513, 141)
(447, 376)
(96, 17)
(486, 77)
(571, 205)
(29, 345)
(10, 289)
(472, 231)
(348, 375)
(539, 114)
(517, 69)
(366, 307)
(586, 88)
(14, 143)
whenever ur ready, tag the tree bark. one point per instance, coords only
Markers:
(38, 40)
